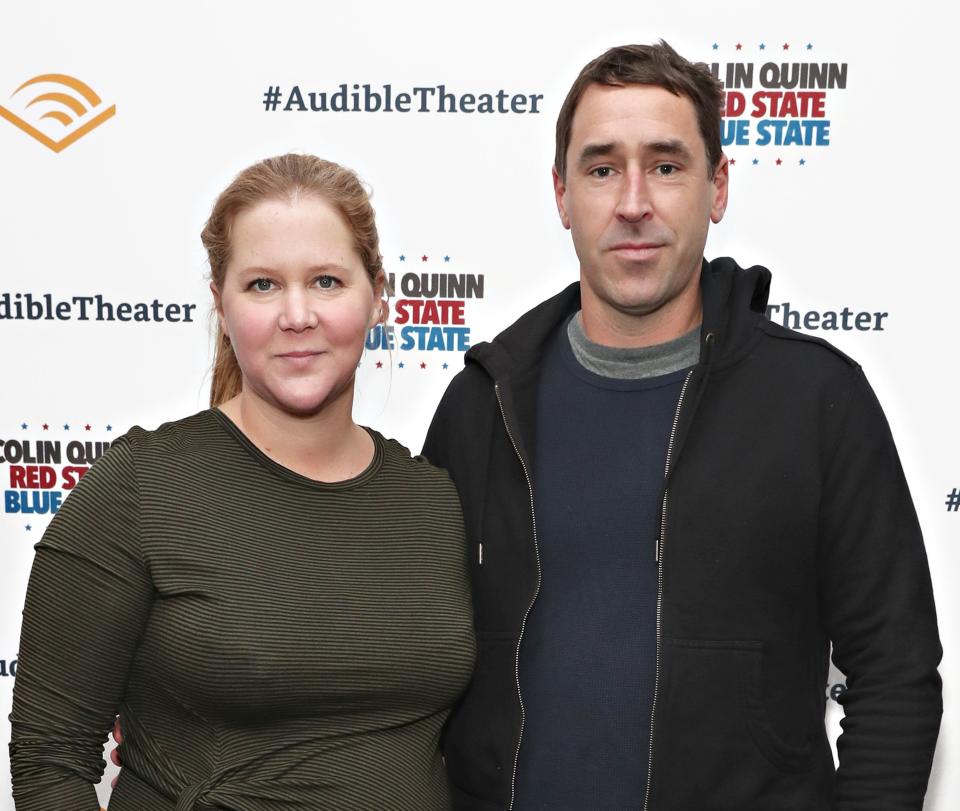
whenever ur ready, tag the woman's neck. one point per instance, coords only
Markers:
(327, 446)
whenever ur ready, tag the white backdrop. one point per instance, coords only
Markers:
(863, 221)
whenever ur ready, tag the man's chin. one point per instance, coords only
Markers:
(629, 300)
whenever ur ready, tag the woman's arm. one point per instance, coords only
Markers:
(87, 603)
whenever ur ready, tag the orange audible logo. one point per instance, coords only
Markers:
(68, 116)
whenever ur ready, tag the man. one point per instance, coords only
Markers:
(674, 506)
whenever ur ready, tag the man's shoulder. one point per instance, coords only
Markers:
(799, 361)
(470, 385)
(519, 346)
(809, 351)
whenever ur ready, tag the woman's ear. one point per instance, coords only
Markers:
(218, 306)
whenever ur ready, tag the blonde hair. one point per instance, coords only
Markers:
(285, 177)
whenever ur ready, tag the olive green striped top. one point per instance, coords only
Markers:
(271, 642)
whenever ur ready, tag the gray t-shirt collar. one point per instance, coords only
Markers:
(633, 363)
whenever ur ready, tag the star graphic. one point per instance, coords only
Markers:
(715, 46)
(423, 258)
(809, 46)
(763, 46)
(86, 427)
(403, 258)
(24, 426)
(46, 427)
(446, 259)
(739, 46)
(803, 162)
(423, 365)
(66, 427)
(446, 365)
(755, 161)
(400, 365)
(786, 46)
(109, 427)
(29, 527)
(379, 364)
(733, 161)
(779, 161)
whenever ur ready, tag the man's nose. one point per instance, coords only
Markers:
(634, 203)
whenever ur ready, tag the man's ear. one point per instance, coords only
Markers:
(559, 192)
(721, 188)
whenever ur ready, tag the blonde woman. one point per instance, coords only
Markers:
(289, 616)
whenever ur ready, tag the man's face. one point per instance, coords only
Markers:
(638, 198)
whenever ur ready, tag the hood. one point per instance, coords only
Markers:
(734, 299)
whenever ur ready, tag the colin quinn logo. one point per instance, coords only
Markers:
(41, 463)
(430, 312)
(56, 109)
(778, 97)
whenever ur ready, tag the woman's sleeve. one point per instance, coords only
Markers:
(88, 600)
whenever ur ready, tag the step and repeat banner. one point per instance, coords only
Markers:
(121, 123)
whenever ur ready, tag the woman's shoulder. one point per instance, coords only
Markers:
(175, 436)
(191, 438)
(399, 460)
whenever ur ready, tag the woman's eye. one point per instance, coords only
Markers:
(326, 282)
(263, 285)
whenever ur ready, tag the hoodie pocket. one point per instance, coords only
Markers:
(714, 744)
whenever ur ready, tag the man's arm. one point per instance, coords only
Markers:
(877, 603)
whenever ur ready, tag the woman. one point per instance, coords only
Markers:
(288, 607)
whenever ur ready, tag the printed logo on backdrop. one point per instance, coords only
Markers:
(56, 109)
(97, 307)
(386, 98)
(41, 463)
(844, 320)
(430, 315)
(777, 104)
(8, 667)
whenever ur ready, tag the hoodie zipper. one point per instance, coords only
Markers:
(523, 625)
(658, 557)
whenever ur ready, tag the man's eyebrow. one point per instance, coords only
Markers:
(671, 146)
(591, 151)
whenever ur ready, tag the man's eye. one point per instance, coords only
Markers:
(666, 169)
(602, 171)
(263, 285)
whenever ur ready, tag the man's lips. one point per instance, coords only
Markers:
(637, 251)
(636, 246)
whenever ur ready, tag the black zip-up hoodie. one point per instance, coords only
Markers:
(787, 525)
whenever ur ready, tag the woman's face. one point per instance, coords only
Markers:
(296, 304)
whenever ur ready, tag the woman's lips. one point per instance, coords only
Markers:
(302, 357)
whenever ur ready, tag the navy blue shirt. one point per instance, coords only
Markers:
(587, 658)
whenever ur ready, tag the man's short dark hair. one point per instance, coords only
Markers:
(657, 65)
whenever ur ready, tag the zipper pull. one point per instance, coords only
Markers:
(708, 341)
